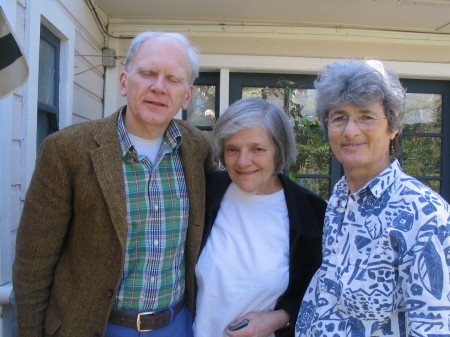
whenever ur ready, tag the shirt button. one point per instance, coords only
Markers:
(110, 292)
(156, 242)
(336, 250)
(342, 209)
(152, 279)
(156, 207)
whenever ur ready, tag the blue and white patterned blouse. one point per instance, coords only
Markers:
(386, 262)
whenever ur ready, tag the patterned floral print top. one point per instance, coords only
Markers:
(386, 262)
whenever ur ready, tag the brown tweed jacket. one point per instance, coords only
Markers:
(72, 234)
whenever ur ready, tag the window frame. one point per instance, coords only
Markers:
(51, 110)
(212, 79)
(442, 88)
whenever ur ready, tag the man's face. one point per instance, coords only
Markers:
(156, 86)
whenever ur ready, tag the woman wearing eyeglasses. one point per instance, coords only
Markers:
(386, 243)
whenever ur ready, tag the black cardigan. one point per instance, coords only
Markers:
(306, 214)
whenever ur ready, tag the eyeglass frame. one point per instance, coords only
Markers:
(356, 120)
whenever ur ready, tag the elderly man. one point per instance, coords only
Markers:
(112, 222)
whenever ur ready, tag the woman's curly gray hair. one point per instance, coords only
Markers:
(360, 83)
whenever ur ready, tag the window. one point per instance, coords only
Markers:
(425, 138)
(203, 108)
(426, 134)
(48, 111)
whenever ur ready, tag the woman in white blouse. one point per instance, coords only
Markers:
(386, 244)
(262, 239)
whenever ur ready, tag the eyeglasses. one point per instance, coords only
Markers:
(364, 122)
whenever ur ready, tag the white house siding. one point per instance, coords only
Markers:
(81, 99)
(11, 136)
(88, 79)
(87, 106)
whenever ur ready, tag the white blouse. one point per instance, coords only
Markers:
(244, 266)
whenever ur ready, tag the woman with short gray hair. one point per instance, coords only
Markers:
(262, 237)
(386, 266)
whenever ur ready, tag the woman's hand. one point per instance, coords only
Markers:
(261, 324)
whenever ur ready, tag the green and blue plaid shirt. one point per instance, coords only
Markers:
(157, 214)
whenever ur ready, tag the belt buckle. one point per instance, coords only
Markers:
(138, 320)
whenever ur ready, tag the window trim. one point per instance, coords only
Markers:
(443, 88)
(212, 79)
(45, 108)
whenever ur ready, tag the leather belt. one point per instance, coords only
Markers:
(145, 321)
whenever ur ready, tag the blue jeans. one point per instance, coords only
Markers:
(180, 326)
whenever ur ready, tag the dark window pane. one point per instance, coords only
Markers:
(313, 153)
(273, 95)
(48, 83)
(316, 185)
(289, 99)
(202, 108)
(47, 68)
(423, 113)
(303, 100)
(421, 156)
(46, 124)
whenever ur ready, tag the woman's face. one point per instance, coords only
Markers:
(360, 138)
(250, 161)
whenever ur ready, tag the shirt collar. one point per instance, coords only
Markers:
(385, 179)
(376, 186)
(172, 137)
(126, 146)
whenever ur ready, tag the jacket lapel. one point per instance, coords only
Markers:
(194, 174)
(107, 163)
(195, 182)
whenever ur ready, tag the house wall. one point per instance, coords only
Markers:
(80, 99)
(292, 50)
(10, 142)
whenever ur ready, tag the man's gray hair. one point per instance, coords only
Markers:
(191, 52)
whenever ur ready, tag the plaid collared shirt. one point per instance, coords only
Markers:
(157, 214)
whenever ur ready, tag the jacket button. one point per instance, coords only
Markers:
(110, 292)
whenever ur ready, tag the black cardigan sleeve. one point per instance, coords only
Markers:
(306, 215)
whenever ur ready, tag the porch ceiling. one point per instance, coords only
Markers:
(427, 16)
